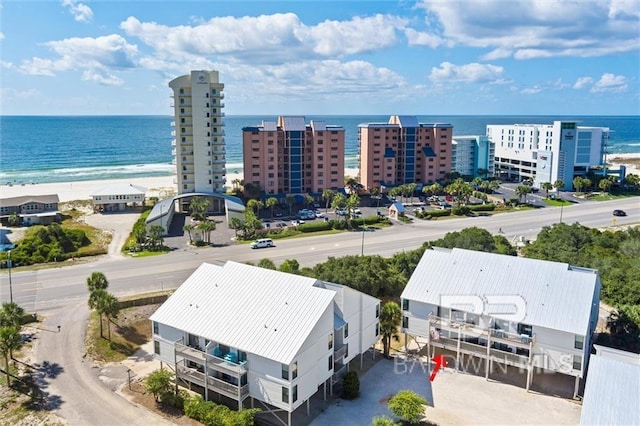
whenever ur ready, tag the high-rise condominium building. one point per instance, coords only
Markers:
(199, 149)
(471, 155)
(291, 157)
(547, 152)
(403, 151)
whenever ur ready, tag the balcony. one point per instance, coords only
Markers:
(340, 352)
(173, 142)
(220, 386)
(213, 362)
(338, 374)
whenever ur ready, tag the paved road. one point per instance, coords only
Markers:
(83, 394)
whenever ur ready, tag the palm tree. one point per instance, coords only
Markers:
(188, 228)
(339, 201)
(206, 227)
(108, 306)
(11, 315)
(494, 185)
(199, 208)
(410, 189)
(375, 192)
(476, 182)
(155, 236)
(97, 280)
(236, 223)
(290, 202)
(94, 302)
(605, 184)
(270, 203)
(547, 186)
(522, 191)
(578, 183)
(390, 319)
(327, 196)
(254, 205)
(10, 340)
(351, 183)
(558, 184)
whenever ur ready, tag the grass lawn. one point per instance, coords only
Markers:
(556, 203)
(615, 196)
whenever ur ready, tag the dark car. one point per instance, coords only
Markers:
(619, 213)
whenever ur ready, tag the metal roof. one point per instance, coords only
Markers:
(291, 123)
(259, 311)
(269, 126)
(612, 392)
(556, 295)
(120, 189)
(318, 125)
(405, 120)
(25, 199)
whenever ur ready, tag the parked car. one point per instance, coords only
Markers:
(341, 212)
(297, 222)
(619, 213)
(262, 243)
(319, 214)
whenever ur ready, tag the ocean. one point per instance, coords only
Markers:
(42, 149)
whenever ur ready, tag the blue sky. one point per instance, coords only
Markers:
(489, 57)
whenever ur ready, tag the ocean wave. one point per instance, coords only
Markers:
(88, 173)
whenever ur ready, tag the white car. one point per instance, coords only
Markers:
(262, 243)
(319, 214)
(341, 212)
(297, 222)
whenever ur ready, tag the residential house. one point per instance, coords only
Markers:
(532, 314)
(115, 198)
(31, 209)
(272, 338)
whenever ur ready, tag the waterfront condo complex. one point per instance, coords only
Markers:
(292, 157)
(198, 144)
(547, 152)
(472, 155)
(403, 151)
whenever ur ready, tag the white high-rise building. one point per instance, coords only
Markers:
(547, 152)
(472, 154)
(199, 147)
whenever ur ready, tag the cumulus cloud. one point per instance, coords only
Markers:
(418, 38)
(1, 35)
(539, 28)
(80, 11)
(6, 65)
(468, 73)
(100, 53)
(267, 39)
(582, 82)
(531, 90)
(610, 83)
(105, 79)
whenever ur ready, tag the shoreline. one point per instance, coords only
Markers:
(163, 186)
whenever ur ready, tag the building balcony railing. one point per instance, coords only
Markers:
(340, 352)
(213, 362)
(219, 161)
(218, 151)
(173, 142)
(220, 386)
(186, 152)
(338, 374)
(219, 170)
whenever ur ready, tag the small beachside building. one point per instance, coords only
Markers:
(31, 209)
(612, 391)
(255, 336)
(531, 314)
(116, 198)
(396, 210)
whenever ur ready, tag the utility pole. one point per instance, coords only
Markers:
(10, 286)
(362, 247)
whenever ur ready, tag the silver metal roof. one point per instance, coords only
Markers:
(291, 123)
(556, 295)
(256, 310)
(612, 392)
(120, 189)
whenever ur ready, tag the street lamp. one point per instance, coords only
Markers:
(9, 265)
(362, 247)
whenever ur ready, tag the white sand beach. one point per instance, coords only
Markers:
(631, 161)
(161, 187)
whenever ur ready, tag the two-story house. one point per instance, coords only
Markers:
(244, 332)
(533, 314)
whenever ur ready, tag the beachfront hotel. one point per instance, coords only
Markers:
(292, 157)
(547, 152)
(403, 151)
(472, 155)
(198, 144)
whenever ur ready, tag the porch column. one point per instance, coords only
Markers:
(361, 360)
(576, 387)
(308, 409)
(487, 363)
(405, 343)
(175, 365)
(458, 352)
(289, 418)
(324, 389)
(252, 402)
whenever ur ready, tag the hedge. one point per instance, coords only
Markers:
(489, 207)
(438, 213)
(314, 227)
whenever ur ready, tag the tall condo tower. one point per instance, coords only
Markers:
(198, 147)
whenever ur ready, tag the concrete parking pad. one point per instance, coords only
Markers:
(458, 399)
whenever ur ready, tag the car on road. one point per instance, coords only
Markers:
(619, 213)
(297, 222)
(262, 243)
(319, 214)
(341, 212)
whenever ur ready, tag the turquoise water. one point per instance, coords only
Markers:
(44, 149)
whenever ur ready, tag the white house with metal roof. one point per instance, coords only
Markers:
(612, 391)
(531, 314)
(263, 335)
(116, 197)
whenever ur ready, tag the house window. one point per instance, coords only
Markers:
(377, 329)
(378, 311)
(285, 371)
(346, 330)
(156, 347)
(578, 342)
(405, 322)
(285, 394)
(405, 304)
(525, 329)
(294, 372)
(330, 341)
(330, 362)
(295, 393)
(577, 362)
(155, 328)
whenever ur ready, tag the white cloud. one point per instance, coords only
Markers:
(610, 83)
(468, 73)
(531, 90)
(101, 53)
(6, 65)
(582, 82)
(539, 28)
(10, 94)
(267, 39)
(106, 79)
(417, 38)
(1, 35)
(80, 11)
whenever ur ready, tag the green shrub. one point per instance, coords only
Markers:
(460, 210)
(383, 421)
(350, 385)
(314, 226)
(439, 213)
(408, 405)
(489, 207)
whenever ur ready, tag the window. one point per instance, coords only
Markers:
(377, 329)
(285, 394)
(525, 329)
(378, 311)
(294, 372)
(578, 342)
(330, 341)
(330, 362)
(156, 347)
(295, 393)
(405, 304)
(405, 322)
(285, 371)
(155, 328)
(346, 330)
(577, 362)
